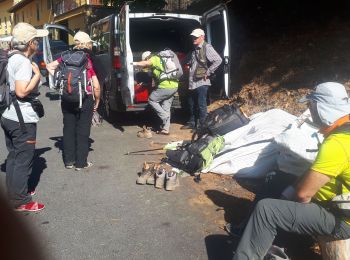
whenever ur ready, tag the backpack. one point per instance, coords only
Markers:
(172, 69)
(71, 76)
(4, 86)
(193, 156)
(223, 120)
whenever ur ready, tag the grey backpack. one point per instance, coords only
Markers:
(172, 69)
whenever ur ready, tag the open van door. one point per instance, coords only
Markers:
(215, 22)
(60, 39)
(126, 57)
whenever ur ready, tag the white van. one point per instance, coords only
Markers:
(120, 40)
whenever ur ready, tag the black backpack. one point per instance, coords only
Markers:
(4, 86)
(223, 120)
(71, 76)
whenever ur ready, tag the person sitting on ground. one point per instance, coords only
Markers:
(77, 121)
(309, 213)
(162, 97)
(24, 78)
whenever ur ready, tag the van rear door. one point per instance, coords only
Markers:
(126, 57)
(215, 22)
(60, 39)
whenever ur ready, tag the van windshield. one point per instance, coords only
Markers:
(156, 34)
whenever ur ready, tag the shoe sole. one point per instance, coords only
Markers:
(28, 210)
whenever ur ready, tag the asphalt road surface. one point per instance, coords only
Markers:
(100, 213)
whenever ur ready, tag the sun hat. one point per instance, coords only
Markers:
(332, 101)
(82, 37)
(145, 55)
(24, 32)
(197, 32)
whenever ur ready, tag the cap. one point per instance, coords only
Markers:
(332, 101)
(82, 37)
(197, 32)
(24, 32)
(145, 55)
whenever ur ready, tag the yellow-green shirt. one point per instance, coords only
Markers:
(156, 63)
(332, 160)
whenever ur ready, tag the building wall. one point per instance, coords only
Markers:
(37, 13)
(77, 22)
(6, 19)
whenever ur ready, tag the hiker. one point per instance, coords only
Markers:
(162, 97)
(203, 62)
(310, 211)
(77, 120)
(20, 128)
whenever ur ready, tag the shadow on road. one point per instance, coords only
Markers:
(220, 247)
(39, 165)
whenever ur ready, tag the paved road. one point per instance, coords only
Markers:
(100, 213)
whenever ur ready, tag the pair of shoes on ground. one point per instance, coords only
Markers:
(145, 133)
(161, 176)
(30, 207)
(71, 166)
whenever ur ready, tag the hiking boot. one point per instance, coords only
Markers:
(147, 172)
(145, 133)
(160, 178)
(172, 181)
(88, 165)
(151, 179)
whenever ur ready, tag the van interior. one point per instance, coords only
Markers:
(158, 33)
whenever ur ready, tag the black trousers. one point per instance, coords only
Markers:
(76, 131)
(19, 163)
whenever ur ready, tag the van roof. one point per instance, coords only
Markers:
(165, 15)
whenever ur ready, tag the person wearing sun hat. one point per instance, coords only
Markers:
(77, 122)
(308, 211)
(23, 77)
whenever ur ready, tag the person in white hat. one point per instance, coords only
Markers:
(204, 61)
(20, 126)
(77, 122)
(310, 210)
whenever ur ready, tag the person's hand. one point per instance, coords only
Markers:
(97, 102)
(35, 68)
(205, 77)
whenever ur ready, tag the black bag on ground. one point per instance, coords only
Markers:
(223, 120)
(71, 76)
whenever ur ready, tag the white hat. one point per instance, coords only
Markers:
(197, 32)
(332, 101)
(145, 55)
(24, 32)
(82, 37)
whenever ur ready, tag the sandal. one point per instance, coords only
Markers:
(163, 132)
(30, 207)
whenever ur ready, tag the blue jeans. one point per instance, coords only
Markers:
(197, 103)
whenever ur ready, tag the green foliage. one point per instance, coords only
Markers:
(138, 5)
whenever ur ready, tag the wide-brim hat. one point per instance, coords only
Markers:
(24, 32)
(332, 101)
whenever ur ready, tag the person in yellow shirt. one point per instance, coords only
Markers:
(162, 97)
(329, 105)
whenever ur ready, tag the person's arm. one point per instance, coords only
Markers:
(24, 87)
(143, 64)
(97, 90)
(52, 66)
(309, 185)
(214, 59)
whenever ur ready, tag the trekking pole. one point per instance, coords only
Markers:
(143, 151)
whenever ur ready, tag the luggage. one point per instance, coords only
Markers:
(193, 156)
(223, 120)
(172, 69)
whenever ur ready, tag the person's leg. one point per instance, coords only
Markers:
(24, 149)
(202, 103)
(155, 100)
(166, 105)
(10, 160)
(83, 132)
(191, 101)
(271, 214)
(69, 129)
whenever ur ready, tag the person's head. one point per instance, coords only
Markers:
(197, 36)
(327, 103)
(82, 41)
(25, 37)
(146, 55)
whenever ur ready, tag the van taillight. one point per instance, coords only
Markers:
(116, 62)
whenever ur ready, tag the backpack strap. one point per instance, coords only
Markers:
(14, 98)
